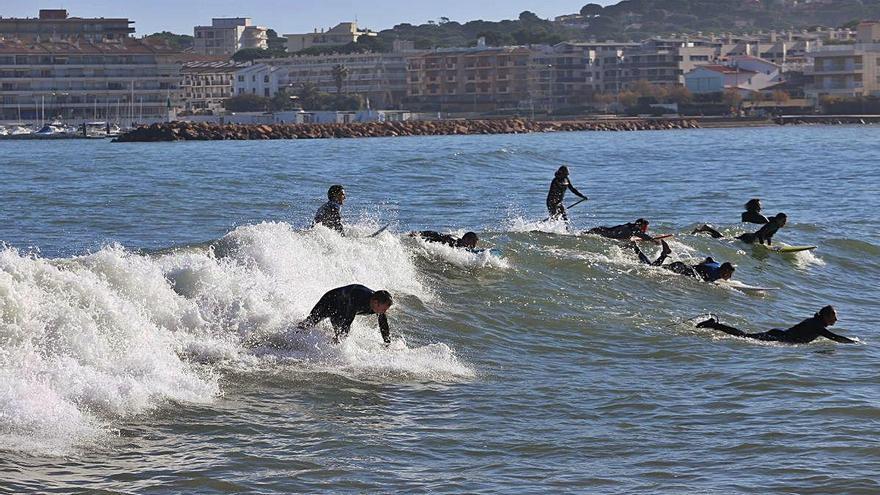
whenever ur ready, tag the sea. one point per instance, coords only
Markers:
(149, 296)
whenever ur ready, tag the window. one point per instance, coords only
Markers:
(265, 79)
(266, 92)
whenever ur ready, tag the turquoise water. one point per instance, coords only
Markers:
(134, 357)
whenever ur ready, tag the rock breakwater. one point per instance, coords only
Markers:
(188, 131)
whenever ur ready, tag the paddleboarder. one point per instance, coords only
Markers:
(342, 304)
(556, 196)
(802, 333)
(709, 270)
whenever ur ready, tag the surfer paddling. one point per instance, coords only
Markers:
(764, 235)
(556, 196)
(467, 241)
(709, 270)
(328, 214)
(753, 213)
(624, 232)
(802, 333)
(341, 305)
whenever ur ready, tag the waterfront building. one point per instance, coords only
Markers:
(744, 73)
(124, 80)
(475, 79)
(570, 73)
(661, 61)
(225, 36)
(205, 84)
(56, 25)
(342, 34)
(847, 70)
(378, 77)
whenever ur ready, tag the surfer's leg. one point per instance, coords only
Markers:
(717, 325)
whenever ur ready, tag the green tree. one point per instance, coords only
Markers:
(247, 103)
(250, 54)
(177, 41)
(340, 74)
(591, 9)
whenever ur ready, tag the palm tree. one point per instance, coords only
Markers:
(340, 74)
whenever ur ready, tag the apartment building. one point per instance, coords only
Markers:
(661, 61)
(847, 70)
(477, 79)
(342, 34)
(55, 24)
(122, 80)
(205, 84)
(570, 73)
(225, 36)
(379, 77)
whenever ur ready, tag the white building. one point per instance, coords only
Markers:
(225, 36)
(258, 79)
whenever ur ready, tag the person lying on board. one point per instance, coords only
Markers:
(624, 232)
(762, 236)
(709, 270)
(753, 212)
(802, 333)
(556, 196)
(342, 304)
(467, 241)
(328, 214)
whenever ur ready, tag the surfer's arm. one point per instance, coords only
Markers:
(575, 191)
(837, 338)
(384, 329)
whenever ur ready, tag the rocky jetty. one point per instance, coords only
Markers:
(827, 119)
(188, 131)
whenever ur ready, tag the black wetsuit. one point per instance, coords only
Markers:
(621, 232)
(433, 236)
(329, 216)
(802, 333)
(341, 306)
(764, 235)
(708, 270)
(749, 216)
(557, 195)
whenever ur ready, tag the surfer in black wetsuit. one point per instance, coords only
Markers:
(709, 270)
(467, 241)
(328, 214)
(556, 196)
(624, 232)
(343, 304)
(753, 213)
(764, 235)
(802, 333)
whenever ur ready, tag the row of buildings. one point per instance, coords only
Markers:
(81, 69)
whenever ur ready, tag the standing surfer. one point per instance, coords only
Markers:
(556, 196)
(329, 214)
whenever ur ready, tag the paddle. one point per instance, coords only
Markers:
(383, 229)
(570, 207)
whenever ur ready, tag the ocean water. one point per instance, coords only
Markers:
(148, 294)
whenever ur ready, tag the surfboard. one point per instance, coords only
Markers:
(656, 238)
(736, 284)
(789, 249)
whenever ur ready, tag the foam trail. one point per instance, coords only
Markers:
(520, 224)
(460, 257)
(88, 341)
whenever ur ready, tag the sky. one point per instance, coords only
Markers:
(292, 16)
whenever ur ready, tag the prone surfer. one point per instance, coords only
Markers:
(709, 270)
(342, 304)
(467, 241)
(802, 333)
(328, 214)
(556, 196)
(624, 232)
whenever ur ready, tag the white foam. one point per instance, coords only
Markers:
(87, 341)
(460, 257)
(520, 224)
